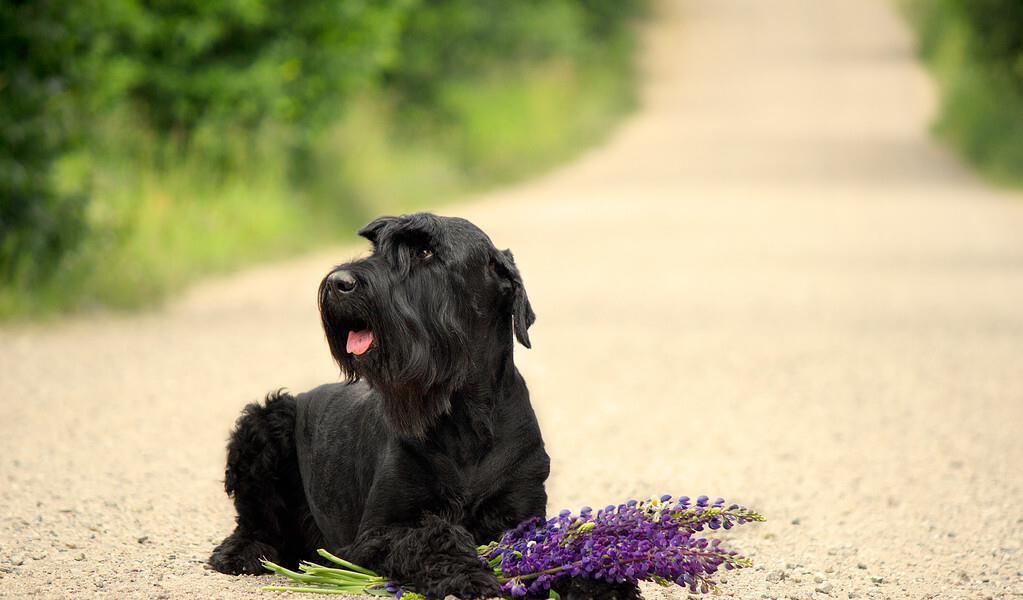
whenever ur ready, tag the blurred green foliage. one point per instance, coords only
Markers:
(39, 58)
(975, 48)
(147, 143)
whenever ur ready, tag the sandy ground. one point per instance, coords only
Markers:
(770, 285)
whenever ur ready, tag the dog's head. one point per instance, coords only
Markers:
(435, 303)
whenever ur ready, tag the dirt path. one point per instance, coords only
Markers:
(770, 285)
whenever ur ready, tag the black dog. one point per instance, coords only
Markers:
(428, 449)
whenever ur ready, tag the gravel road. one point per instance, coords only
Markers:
(770, 285)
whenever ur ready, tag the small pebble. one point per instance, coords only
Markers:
(877, 579)
(861, 566)
(824, 588)
(17, 559)
(775, 576)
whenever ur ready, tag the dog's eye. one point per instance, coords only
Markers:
(424, 254)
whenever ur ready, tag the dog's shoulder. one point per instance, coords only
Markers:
(338, 422)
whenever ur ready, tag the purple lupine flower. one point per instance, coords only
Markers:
(636, 541)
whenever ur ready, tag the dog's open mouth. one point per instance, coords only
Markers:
(359, 341)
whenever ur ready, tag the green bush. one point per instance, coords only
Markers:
(147, 144)
(38, 57)
(976, 51)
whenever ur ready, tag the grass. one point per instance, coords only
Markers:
(981, 107)
(159, 219)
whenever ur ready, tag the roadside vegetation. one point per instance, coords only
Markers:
(149, 144)
(975, 50)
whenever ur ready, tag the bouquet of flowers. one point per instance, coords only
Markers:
(656, 540)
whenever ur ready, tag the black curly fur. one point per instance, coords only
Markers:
(428, 449)
(446, 550)
(262, 477)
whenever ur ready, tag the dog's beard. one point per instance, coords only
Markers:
(415, 356)
(346, 330)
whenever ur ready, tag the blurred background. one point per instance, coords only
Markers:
(774, 248)
(147, 144)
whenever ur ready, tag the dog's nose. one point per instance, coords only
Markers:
(342, 282)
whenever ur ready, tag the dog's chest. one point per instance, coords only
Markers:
(495, 470)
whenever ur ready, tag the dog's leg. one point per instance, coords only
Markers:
(437, 558)
(262, 477)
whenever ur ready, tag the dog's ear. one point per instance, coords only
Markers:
(522, 312)
(372, 230)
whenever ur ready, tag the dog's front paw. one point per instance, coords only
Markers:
(239, 556)
(468, 586)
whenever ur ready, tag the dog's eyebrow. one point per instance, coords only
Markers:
(417, 230)
(412, 230)
(408, 237)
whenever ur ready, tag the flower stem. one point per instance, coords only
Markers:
(345, 563)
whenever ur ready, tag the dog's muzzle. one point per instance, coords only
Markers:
(341, 283)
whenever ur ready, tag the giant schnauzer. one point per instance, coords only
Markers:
(429, 448)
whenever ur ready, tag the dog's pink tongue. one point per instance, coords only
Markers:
(359, 341)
